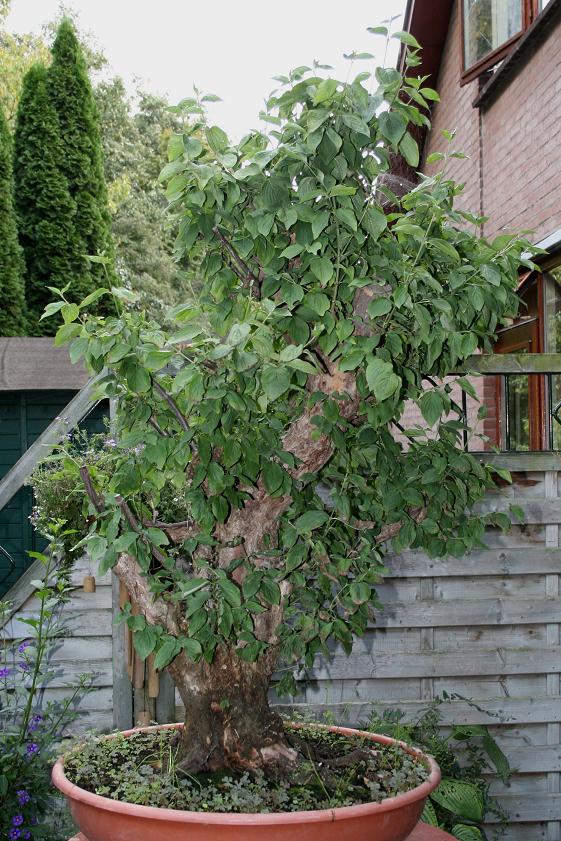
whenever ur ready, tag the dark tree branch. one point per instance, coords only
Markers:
(172, 404)
(154, 423)
(248, 277)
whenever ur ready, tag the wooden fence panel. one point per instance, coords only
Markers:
(486, 627)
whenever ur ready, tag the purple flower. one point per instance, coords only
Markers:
(23, 797)
(23, 666)
(23, 646)
(31, 748)
(26, 834)
(34, 723)
(110, 442)
(14, 834)
(17, 820)
(4, 672)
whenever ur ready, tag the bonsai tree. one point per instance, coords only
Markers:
(259, 468)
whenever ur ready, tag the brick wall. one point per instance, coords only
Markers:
(513, 170)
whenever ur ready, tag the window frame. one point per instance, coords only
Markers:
(530, 11)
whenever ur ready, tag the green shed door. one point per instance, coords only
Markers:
(24, 415)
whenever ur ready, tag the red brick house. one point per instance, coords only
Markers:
(497, 67)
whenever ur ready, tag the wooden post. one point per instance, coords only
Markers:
(122, 689)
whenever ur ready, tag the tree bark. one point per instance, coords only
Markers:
(228, 720)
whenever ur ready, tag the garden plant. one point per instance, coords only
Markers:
(258, 468)
(32, 730)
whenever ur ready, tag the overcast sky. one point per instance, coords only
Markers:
(232, 49)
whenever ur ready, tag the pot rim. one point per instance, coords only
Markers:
(74, 792)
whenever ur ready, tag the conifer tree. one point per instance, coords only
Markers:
(44, 208)
(82, 164)
(12, 297)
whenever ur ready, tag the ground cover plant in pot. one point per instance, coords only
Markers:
(257, 467)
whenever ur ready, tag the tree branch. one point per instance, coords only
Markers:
(154, 423)
(127, 569)
(247, 276)
(172, 404)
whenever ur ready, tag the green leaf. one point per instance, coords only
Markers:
(381, 379)
(464, 832)
(145, 642)
(319, 222)
(273, 476)
(429, 93)
(317, 301)
(342, 190)
(217, 139)
(275, 381)
(167, 652)
(322, 268)
(392, 125)
(231, 592)
(270, 590)
(138, 379)
(125, 295)
(325, 91)
(408, 39)
(374, 222)
(428, 814)
(93, 296)
(461, 798)
(351, 360)
(491, 275)
(347, 217)
(192, 648)
(379, 306)
(238, 334)
(50, 309)
(431, 405)
(311, 520)
(409, 149)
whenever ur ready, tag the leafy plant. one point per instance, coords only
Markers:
(272, 405)
(462, 800)
(30, 730)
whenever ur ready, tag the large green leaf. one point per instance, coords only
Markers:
(381, 379)
(461, 798)
(311, 520)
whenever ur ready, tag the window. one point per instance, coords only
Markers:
(529, 416)
(490, 29)
(488, 24)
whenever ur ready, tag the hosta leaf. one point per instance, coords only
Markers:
(461, 798)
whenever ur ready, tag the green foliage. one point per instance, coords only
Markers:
(246, 396)
(82, 162)
(135, 150)
(462, 801)
(143, 769)
(45, 210)
(30, 728)
(12, 312)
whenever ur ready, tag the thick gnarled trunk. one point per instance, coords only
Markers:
(228, 720)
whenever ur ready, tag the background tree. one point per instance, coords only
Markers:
(12, 292)
(45, 211)
(135, 151)
(82, 162)
(17, 54)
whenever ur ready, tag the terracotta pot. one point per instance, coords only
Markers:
(103, 819)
